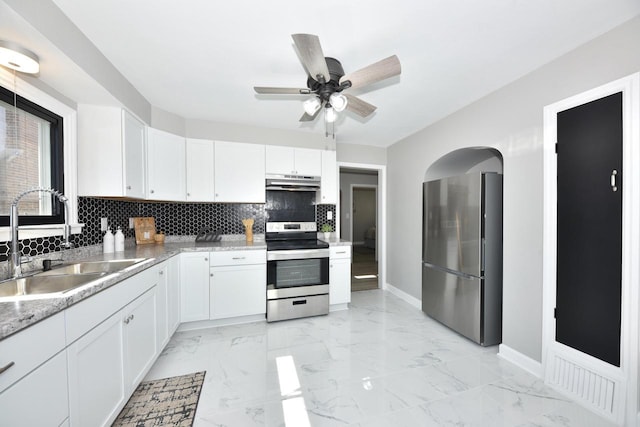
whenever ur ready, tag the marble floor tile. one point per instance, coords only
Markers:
(380, 363)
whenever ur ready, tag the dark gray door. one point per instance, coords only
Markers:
(589, 239)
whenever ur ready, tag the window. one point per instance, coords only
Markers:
(31, 155)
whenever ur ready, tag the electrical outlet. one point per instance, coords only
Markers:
(130, 222)
(329, 215)
(104, 224)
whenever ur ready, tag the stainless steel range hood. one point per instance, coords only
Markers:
(293, 182)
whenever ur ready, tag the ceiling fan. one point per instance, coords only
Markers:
(327, 80)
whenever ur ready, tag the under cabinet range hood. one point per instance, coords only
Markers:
(293, 182)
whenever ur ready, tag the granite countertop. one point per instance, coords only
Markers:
(17, 315)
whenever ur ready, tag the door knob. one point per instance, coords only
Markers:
(614, 173)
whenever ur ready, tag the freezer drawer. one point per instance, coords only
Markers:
(453, 300)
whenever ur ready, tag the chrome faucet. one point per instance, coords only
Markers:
(15, 264)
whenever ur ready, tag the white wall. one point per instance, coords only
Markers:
(509, 120)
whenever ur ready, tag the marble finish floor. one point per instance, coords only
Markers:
(380, 363)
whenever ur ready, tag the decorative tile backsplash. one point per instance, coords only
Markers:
(174, 219)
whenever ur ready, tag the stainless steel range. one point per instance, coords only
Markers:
(297, 262)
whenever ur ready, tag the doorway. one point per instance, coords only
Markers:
(359, 219)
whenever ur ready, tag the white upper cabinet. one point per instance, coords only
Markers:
(200, 170)
(111, 157)
(239, 172)
(328, 193)
(165, 166)
(297, 161)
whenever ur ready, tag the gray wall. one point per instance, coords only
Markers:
(352, 153)
(364, 212)
(511, 121)
(346, 180)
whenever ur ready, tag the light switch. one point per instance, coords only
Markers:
(329, 215)
(104, 223)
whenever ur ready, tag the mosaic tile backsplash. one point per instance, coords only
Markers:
(174, 219)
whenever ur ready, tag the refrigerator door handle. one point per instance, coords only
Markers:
(454, 272)
(482, 256)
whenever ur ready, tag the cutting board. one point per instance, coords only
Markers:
(145, 230)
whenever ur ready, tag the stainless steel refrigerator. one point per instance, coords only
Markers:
(462, 254)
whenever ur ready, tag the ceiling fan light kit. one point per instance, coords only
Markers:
(326, 80)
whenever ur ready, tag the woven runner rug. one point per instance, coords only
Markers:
(165, 402)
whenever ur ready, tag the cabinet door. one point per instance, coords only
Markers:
(96, 382)
(100, 155)
(165, 166)
(161, 274)
(308, 162)
(238, 291)
(328, 193)
(239, 172)
(133, 141)
(194, 286)
(200, 176)
(340, 281)
(40, 398)
(173, 294)
(279, 160)
(139, 319)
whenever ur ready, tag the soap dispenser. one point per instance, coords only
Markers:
(119, 246)
(108, 244)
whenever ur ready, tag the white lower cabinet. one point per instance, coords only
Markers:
(33, 377)
(40, 398)
(238, 283)
(194, 286)
(107, 363)
(340, 275)
(173, 294)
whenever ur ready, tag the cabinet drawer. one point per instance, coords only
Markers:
(29, 348)
(340, 252)
(221, 258)
(39, 399)
(81, 318)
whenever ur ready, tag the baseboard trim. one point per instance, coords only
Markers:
(403, 295)
(204, 324)
(520, 360)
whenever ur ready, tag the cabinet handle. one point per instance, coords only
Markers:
(188, 194)
(161, 272)
(211, 274)
(238, 257)
(126, 321)
(128, 187)
(342, 252)
(132, 316)
(613, 180)
(7, 366)
(206, 259)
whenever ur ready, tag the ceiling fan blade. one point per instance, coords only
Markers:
(358, 106)
(308, 118)
(380, 70)
(311, 55)
(281, 90)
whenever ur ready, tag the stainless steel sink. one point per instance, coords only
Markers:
(52, 284)
(112, 266)
(64, 278)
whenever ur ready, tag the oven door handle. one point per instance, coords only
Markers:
(297, 254)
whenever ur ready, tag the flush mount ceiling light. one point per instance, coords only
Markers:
(18, 58)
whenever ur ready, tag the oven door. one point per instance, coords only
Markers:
(297, 268)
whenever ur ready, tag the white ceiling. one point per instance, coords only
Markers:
(200, 59)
